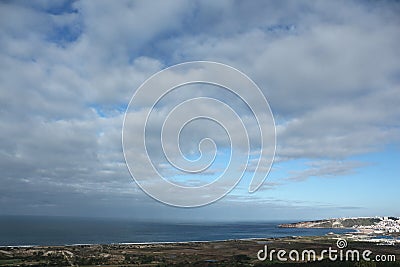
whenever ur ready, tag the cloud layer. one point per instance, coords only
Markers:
(330, 71)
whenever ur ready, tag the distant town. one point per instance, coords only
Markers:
(377, 225)
(385, 225)
(385, 230)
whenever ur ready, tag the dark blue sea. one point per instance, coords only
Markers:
(30, 230)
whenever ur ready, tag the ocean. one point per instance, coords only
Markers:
(32, 230)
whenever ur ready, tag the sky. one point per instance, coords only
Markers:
(330, 71)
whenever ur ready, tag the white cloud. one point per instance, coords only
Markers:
(326, 169)
(330, 71)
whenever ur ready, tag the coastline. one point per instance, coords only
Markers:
(216, 252)
(147, 243)
(176, 242)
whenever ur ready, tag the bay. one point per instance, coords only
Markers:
(43, 230)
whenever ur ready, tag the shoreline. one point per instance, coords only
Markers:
(361, 234)
(171, 242)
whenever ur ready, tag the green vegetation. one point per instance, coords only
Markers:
(221, 253)
(360, 221)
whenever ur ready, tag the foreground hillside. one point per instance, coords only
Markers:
(218, 253)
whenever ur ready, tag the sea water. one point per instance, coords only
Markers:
(32, 230)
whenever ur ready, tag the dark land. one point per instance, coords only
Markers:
(217, 253)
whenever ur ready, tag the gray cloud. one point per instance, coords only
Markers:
(326, 169)
(330, 71)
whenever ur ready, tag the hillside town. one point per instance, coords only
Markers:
(386, 225)
(368, 225)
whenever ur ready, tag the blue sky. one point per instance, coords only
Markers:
(329, 70)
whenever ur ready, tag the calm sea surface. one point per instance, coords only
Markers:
(29, 230)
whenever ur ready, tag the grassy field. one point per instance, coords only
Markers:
(221, 253)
